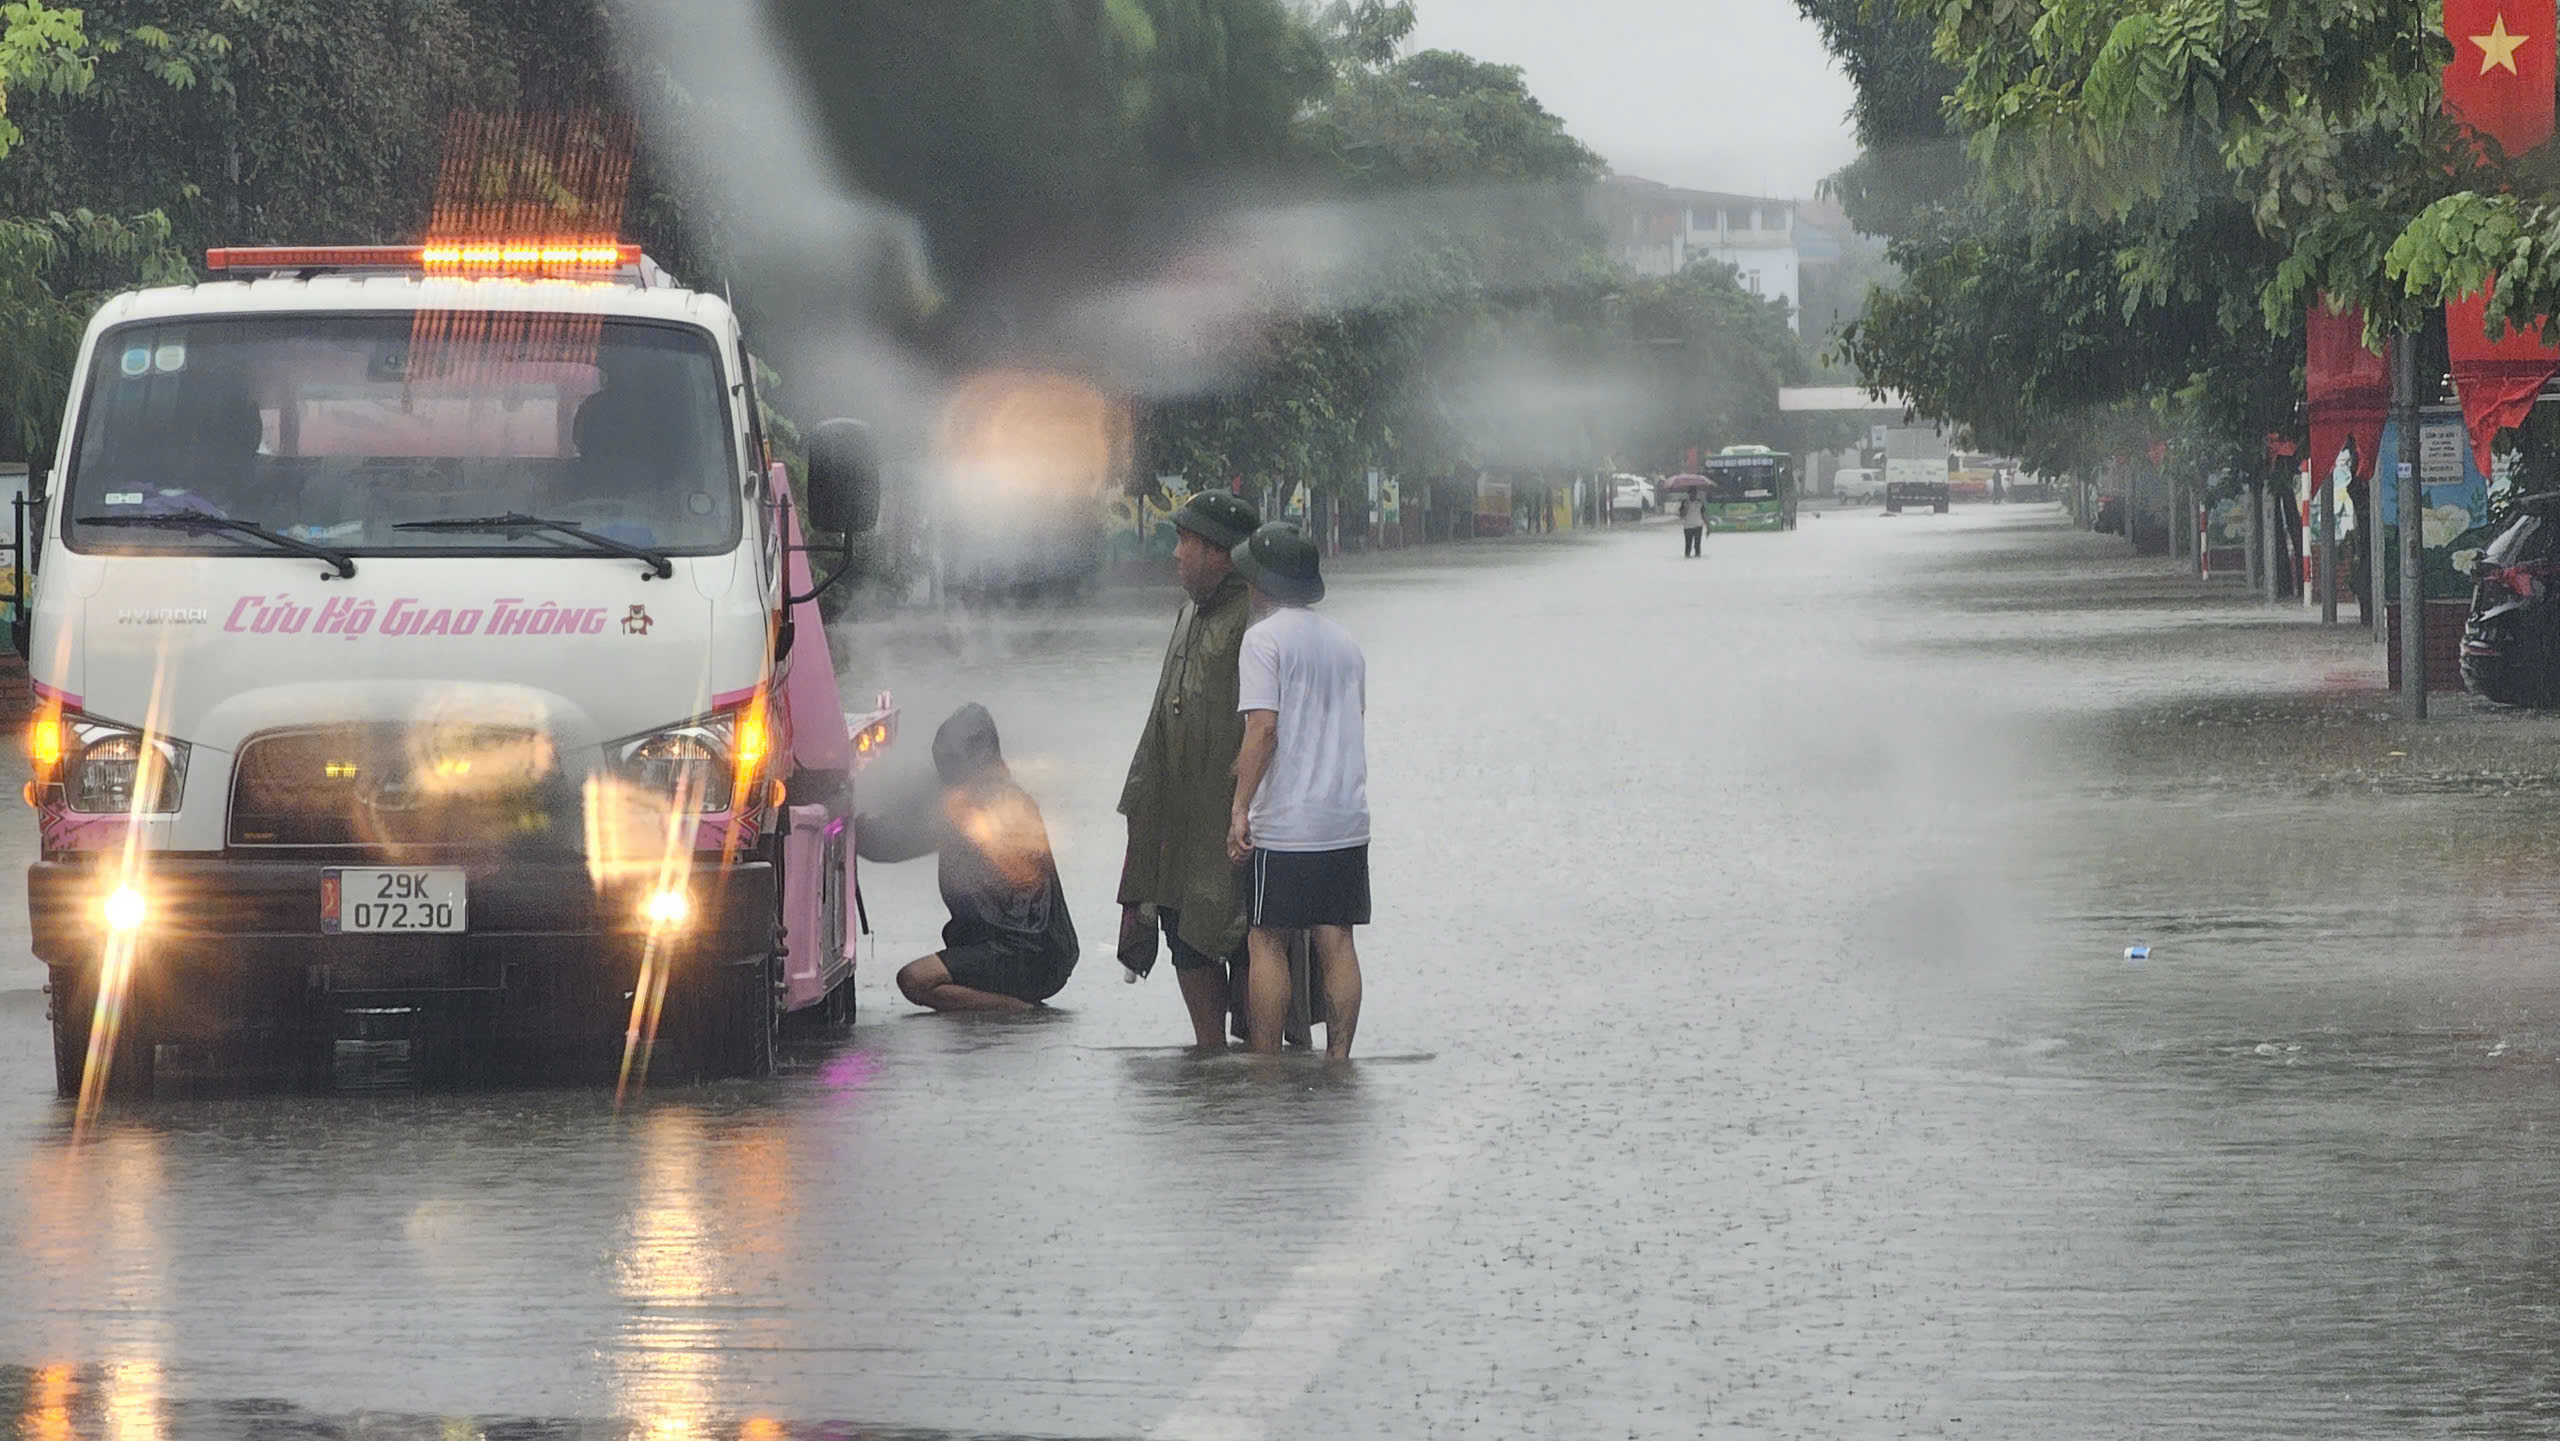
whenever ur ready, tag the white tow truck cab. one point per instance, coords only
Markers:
(426, 654)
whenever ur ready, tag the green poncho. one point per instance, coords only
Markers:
(1182, 782)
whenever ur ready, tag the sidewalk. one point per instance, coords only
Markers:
(2212, 682)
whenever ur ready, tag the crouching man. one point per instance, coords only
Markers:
(1010, 944)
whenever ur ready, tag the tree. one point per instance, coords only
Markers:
(1910, 160)
(141, 132)
(1717, 355)
(2092, 280)
(1467, 246)
(1835, 294)
(1044, 146)
(2324, 120)
(53, 261)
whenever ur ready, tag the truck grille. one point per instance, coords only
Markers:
(393, 786)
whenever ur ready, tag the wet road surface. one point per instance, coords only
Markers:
(1749, 1050)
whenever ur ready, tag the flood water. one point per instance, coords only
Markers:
(1750, 1050)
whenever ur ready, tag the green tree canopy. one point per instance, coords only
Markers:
(2087, 274)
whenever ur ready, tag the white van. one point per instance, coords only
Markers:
(426, 652)
(1858, 483)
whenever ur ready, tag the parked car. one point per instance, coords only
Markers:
(2511, 643)
(1901, 495)
(1633, 496)
(1858, 483)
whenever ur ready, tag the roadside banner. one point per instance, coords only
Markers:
(2456, 507)
(2350, 390)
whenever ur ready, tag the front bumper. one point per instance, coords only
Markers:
(223, 915)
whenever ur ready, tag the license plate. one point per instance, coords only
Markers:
(392, 900)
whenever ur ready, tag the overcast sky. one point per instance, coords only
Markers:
(1732, 95)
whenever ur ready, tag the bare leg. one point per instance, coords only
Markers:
(1204, 991)
(928, 983)
(1341, 961)
(1268, 989)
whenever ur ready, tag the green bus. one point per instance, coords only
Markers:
(1751, 488)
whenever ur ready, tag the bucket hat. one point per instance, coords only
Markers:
(1281, 562)
(1223, 520)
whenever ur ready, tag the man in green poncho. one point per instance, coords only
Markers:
(1182, 780)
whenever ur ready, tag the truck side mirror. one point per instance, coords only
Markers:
(844, 478)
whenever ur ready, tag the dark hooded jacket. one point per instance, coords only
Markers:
(998, 878)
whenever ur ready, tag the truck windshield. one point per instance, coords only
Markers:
(341, 429)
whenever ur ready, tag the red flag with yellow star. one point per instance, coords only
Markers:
(2505, 57)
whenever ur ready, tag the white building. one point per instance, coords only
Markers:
(1658, 229)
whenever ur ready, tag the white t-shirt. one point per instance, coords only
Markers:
(1306, 669)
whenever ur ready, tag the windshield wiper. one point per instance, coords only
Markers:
(514, 525)
(197, 523)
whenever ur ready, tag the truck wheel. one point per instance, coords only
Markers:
(836, 1012)
(756, 1018)
(727, 1020)
(829, 1015)
(74, 993)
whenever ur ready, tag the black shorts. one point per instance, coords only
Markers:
(1292, 890)
(1187, 957)
(1003, 971)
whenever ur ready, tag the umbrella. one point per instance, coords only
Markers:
(1688, 482)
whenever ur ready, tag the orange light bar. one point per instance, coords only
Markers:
(512, 257)
(516, 255)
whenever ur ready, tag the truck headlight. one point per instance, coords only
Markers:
(125, 909)
(691, 763)
(110, 770)
(710, 763)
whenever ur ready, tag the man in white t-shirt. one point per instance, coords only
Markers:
(1300, 824)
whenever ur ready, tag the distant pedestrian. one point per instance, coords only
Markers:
(1177, 876)
(1010, 943)
(1300, 818)
(1693, 522)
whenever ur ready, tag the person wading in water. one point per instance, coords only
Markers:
(1177, 875)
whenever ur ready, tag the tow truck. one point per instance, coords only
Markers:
(428, 664)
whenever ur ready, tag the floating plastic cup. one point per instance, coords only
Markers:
(2137, 953)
